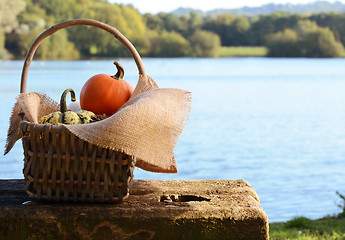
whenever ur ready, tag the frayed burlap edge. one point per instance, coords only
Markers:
(28, 105)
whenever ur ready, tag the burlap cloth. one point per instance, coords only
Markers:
(147, 127)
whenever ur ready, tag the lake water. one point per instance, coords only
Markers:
(277, 123)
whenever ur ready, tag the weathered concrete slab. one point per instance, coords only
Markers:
(173, 209)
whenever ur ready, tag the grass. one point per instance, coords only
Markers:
(245, 52)
(242, 51)
(327, 228)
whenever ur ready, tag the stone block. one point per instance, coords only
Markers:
(156, 209)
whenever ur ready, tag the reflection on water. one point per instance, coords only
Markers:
(277, 123)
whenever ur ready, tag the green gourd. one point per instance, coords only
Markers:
(85, 116)
(65, 116)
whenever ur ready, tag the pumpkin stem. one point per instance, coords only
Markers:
(63, 104)
(120, 71)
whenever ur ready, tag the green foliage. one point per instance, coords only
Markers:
(170, 44)
(126, 19)
(4, 54)
(191, 34)
(64, 49)
(299, 222)
(2, 39)
(204, 44)
(321, 43)
(193, 21)
(269, 24)
(307, 39)
(241, 24)
(335, 22)
(54, 47)
(184, 25)
(304, 27)
(154, 22)
(342, 205)
(328, 228)
(19, 41)
(283, 44)
(172, 22)
(59, 9)
(9, 9)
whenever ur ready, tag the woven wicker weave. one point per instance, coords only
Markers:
(61, 167)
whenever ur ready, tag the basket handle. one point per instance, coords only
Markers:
(68, 23)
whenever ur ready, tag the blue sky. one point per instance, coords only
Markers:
(155, 6)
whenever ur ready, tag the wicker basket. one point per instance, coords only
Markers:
(58, 166)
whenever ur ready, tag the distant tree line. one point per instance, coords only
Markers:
(163, 34)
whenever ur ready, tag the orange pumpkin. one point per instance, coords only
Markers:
(105, 94)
